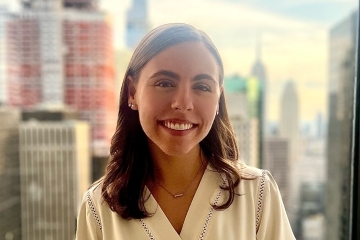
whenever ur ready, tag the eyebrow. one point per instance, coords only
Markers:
(204, 76)
(177, 77)
(165, 73)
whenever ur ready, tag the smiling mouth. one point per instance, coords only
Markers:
(178, 126)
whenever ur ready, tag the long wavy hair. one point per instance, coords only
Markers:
(130, 163)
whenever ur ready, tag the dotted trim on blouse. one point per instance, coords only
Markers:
(147, 230)
(204, 229)
(93, 210)
(260, 200)
(208, 217)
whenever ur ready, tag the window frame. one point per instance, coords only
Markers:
(354, 229)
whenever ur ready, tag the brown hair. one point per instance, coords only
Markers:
(130, 163)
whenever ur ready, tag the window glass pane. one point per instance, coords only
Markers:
(289, 83)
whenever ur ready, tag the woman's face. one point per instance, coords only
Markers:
(177, 97)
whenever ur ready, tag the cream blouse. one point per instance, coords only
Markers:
(258, 213)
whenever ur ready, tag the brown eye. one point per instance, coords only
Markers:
(164, 84)
(202, 87)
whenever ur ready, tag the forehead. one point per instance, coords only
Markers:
(186, 59)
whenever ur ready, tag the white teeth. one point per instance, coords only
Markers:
(178, 126)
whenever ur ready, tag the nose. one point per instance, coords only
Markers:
(182, 99)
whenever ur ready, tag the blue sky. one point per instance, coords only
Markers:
(321, 11)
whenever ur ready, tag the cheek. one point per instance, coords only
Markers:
(149, 110)
(149, 99)
(208, 113)
(210, 105)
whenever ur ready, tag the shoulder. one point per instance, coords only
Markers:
(95, 204)
(92, 200)
(250, 172)
(256, 180)
(93, 194)
(267, 197)
(253, 173)
(89, 224)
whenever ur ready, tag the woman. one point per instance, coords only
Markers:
(173, 172)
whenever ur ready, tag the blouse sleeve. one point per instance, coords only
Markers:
(87, 226)
(273, 222)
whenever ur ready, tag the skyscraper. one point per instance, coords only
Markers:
(289, 118)
(55, 173)
(136, 23)
(341, 84)
(259, 72)
(89, 77)
(35, 55)
(3, 85)
(289, 131)
(309, 170)
(276, 160)
(242, 97)
(258, 69)
(60, 54)
(10, 205)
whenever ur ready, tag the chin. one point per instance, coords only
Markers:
(176, 151)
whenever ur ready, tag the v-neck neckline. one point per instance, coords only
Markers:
(195, 216)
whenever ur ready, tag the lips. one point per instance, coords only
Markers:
(178, 126)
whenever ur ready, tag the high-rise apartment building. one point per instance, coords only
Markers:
(90, 74)
(136, 23)
(242, 103)
(276, 160)
(10, 205)
(55, 173)
(35, 55)
(23, 60)
(60, 54)
(246, 134)
(3, 85)
(289, 119)
(307, 173)
(311, 212)
(342, 51)
(309, 170)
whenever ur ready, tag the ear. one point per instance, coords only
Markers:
(131, 89)
(131, 93)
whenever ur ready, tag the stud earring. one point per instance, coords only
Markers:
(217, 113)
(132, 106)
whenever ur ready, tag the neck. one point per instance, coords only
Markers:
(177, 171)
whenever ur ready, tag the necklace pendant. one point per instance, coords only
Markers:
(178, 195)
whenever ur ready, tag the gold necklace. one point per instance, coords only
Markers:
(183, 192)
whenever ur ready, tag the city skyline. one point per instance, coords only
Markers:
(63, 56)
(289, 37)
(320, 85)
(288, 41)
